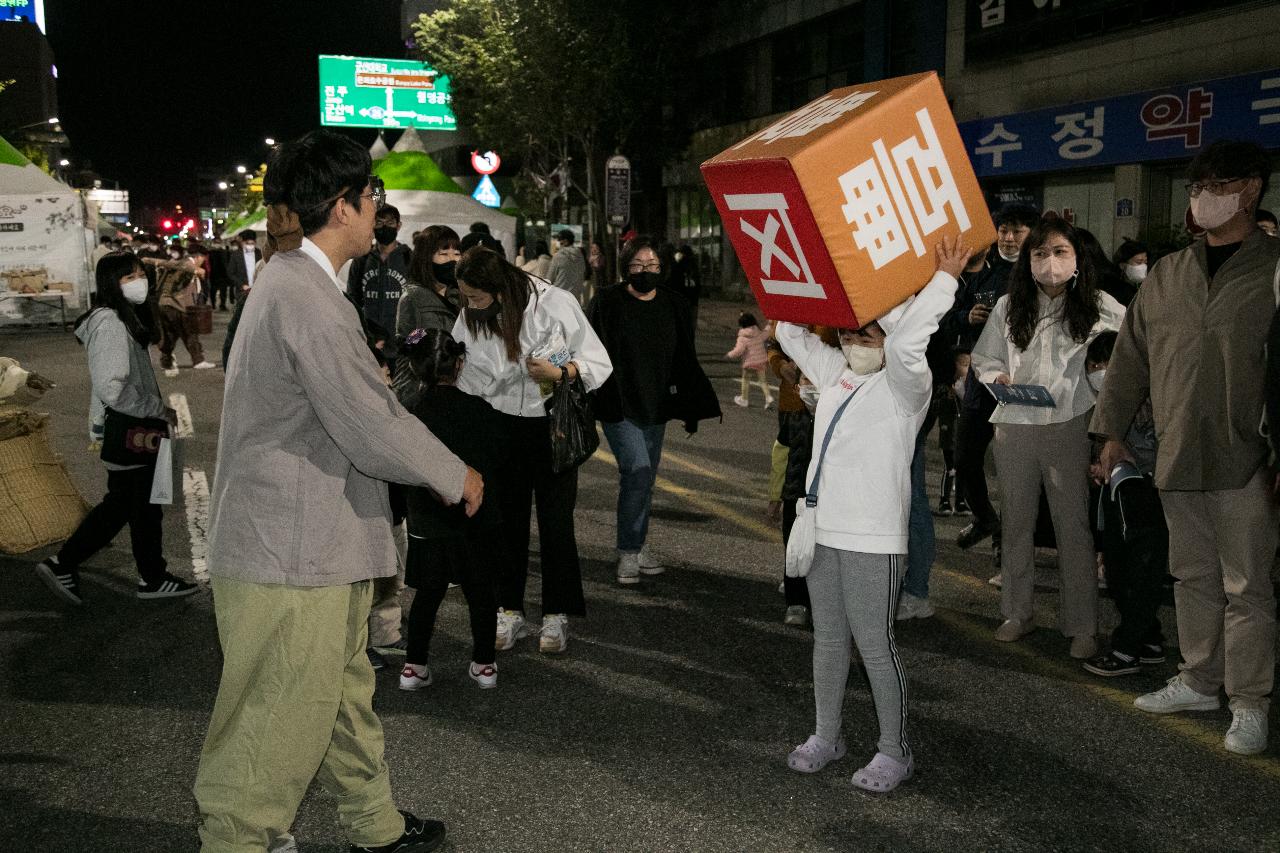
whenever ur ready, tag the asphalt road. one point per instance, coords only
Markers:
(665, 727)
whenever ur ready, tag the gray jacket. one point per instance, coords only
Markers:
(120, 373)
(309, 434)
(568, 270)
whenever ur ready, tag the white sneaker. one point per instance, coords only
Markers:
(415, 676)
(1176, 696)
(554, 637)
(171, 371)
(1248, 732)
(913, 607)
(649, 564)
(740, 401)
(628, 568)
(768, 404)
(484, 674)
(511, 627)
(204, 365)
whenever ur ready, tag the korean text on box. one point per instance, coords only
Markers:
(834, 210)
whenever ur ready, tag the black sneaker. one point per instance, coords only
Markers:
(973, 533)
(399, 647)
(944, 508)
(420, 836)
(168, 586)
(962, 508)
(377, 661)
(1151, 653)
(64, 583)
(1111, 664)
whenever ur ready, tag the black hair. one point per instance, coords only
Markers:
(1102, 265)
(1231, 158)
(104, 241)
(480, 238)
(196, 249)
(565, 237)
(248, 234)
(1264, 216)
(1017, 214)
(541, 248)
(1081, 302)
(310, 174)
(746, 320)
(430, 240)
(138, 320)
(632, 248)
(488, 271)
(434, 358)
(1128, 249)
(479, 228)
(388, 210)
(1100, 348)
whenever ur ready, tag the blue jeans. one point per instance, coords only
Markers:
(638, 449)
(922, 548)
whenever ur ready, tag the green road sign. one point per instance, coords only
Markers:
(356, 91)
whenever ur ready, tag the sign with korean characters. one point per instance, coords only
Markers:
(358, 91)
(1163, 124)
(834, 210)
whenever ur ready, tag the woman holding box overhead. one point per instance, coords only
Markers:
(850, 537)
(1038, 334)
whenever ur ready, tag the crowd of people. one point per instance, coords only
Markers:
(411, 440)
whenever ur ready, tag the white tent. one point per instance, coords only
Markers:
(45, 235)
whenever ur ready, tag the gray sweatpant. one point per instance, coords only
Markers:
(856, 594)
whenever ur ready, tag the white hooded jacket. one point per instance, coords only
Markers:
(864, 496)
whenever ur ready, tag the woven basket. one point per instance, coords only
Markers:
(39, 505)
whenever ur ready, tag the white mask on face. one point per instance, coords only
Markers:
(1211, 211)
(1010, 258)
(1053, 270)
(1095, 380)
(863, 360)
(1135, 273)
(135, 290)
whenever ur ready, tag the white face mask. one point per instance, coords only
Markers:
(1135, 273)
(863, 360)
(1211, 211)
(1095, 380)
(1053, 270)
(135, 290)
(1010, 258)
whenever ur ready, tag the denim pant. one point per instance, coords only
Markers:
(921, 545)
(638, 449)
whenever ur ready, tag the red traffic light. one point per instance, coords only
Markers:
(167, 225)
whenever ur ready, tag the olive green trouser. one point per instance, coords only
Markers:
(295, 703)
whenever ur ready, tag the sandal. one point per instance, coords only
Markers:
(883, 774)
(815, 754)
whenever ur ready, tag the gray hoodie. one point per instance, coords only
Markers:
(119, 369)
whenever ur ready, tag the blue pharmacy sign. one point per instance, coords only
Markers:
(1164, 124)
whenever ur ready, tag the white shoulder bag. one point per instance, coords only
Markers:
(804, 533)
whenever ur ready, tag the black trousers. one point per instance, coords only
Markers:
(433, 563)
(1135, 549)
(973, 436)
(796, 589)
(528, 476)
(223, 292)
(127, 501)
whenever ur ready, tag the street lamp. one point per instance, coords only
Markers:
(241, 169)
(64, 162)
(222, 185)
(271, 141)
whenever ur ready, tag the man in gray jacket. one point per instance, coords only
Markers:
(1193, 340)
(568, 270)
(301, 528)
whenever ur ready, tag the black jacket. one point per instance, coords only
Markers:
(1273, 385)
(233, 265)
(691, 398)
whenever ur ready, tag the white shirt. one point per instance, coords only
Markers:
(316, 254)
(488, 373)
(1052, 359)
(251, 264)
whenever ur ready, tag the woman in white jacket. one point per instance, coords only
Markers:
(863, 504)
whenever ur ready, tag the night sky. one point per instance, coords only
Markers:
(148, 92)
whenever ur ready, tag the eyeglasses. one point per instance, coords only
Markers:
(652, 266)
(1216, 187)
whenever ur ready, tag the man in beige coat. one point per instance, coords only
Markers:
(301, 529)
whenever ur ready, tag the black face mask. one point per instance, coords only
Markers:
(445, 273)
(484, 315)
(643, 282)
(385, 234)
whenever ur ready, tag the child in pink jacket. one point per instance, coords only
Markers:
(750, 349)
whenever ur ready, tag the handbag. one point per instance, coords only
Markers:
(573, 426)
(198, 319)
(804, 534)
(129, 440)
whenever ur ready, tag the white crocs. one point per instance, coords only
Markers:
(883, 774)
(815, 754)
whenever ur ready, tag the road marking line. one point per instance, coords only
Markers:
(693, 467)
(185, 427)
(195, 490)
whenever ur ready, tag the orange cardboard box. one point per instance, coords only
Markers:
(834, 210)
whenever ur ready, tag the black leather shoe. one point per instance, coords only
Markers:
(973, 533)
(420, 836)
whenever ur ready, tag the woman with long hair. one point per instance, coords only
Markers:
(426, 303)
(1039, 334)
(116, 335)
(513, 327)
